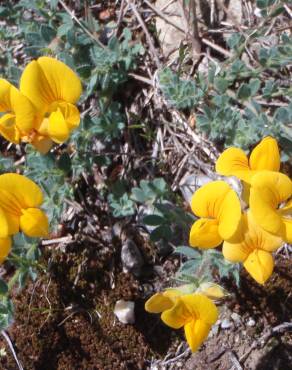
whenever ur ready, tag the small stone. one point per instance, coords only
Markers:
(131, 257)
(236, 318)
(124, 310)
(250, 322)
(214, 330)
(226, 324)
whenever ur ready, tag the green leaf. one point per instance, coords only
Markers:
(161, 232)
(221, 84)
(244, 92)
(188, 252)
(153, 220)
(48, 33)
(3, 287)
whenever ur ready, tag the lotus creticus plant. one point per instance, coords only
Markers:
(254, 233)
(195, 312)
(43, 110)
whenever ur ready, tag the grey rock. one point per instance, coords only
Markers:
(236, 318)
(131, 257)
(250, 322)
(226, 324)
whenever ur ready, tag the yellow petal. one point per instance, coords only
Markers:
(287, 230)
(34, 223)
(177, 316)
(14, 102)
(24, 192)
(48, 80)
(200, 307)
(269, 189)
(196, 331)
(235, 252)
(58, 129)
(211, 290)
(233, 162)
(158, 303)
(4, 230)
(8, 128)
(259, 264)
(13, 223)
(5, 247)
(265, 155)
(229, 217)
(258, 238)
(207, 201)
(204, 234)
(69, 111)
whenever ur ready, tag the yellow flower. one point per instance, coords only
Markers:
(254, 250)
(20, 199)
(234, 162)
(219, 208)
(54, 89)
(268, 194)
(196, 313)
(19, 114)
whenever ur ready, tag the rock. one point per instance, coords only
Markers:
(131, 257)
(250, 322)
(214, 330)
(190, 183)
(226, 324)
(236, 318)
(124, 310)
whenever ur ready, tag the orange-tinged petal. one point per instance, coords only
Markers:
(42, 143)
(177, 316)
(34, 223)
(5, 247)
(207, 201)
(196, 331)
(265, 155)
(24, 192)
(259, 264)
(230, 216)
(200, 307)
(233, 162)
(58, 129)
(48, 80)
(158, 303)
(204, 234)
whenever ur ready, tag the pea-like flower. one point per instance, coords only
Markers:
(234, 162)
(271, 204)
(219, 208)
(20, 199)
(254, 250)
(19, 115)
(195, 312)
(54, 89)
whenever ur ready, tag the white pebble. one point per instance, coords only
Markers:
(124, 310)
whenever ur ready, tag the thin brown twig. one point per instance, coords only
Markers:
(147, 34)
(73, 16)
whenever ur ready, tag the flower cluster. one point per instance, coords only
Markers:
(181, 308)
(252, 234)
(20, 199)
(42, 110)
